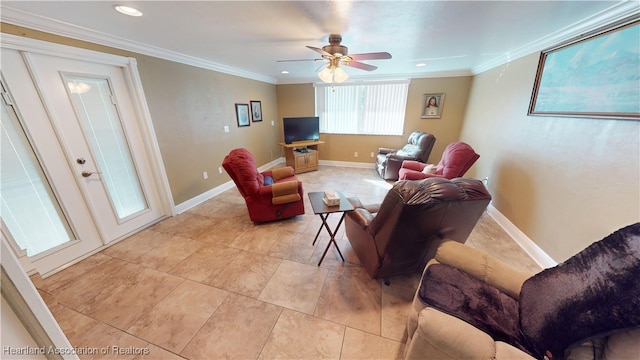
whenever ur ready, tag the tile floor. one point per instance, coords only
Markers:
(210, 284)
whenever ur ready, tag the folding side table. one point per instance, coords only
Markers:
(322, 209)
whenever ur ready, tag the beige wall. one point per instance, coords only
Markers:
(299, 100)
(564, 182)
(189, 107)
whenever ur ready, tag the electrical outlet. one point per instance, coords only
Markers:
(226, 128)
(355, 154)
(273, 123)
(220, 170)
(205, 175)
(372, 155)
(485, 181)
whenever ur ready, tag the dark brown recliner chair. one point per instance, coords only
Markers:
(418, 148)
(401, 234)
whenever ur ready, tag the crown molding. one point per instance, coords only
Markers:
(608, 16)
(40, 23)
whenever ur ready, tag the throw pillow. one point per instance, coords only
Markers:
(592, 294)
(429, 169)
(408, 151)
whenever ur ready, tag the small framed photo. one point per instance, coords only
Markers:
(432, 107)
(256, 110)
(242, 114)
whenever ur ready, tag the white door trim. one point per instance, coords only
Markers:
(129, 64)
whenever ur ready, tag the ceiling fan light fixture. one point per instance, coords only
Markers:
(326, 75)
(333, 74)
(339, 75)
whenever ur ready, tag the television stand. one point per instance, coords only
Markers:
(302, 156)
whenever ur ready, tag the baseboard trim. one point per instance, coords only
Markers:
(184, 206)
(195, 201)
(536, 253)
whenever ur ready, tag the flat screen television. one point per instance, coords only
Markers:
(301, 129)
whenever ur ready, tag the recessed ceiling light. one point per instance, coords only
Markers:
(421, 64)
(128, 10)
(284, 72)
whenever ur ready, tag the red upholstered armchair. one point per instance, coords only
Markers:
(271, 195)
(456, 160)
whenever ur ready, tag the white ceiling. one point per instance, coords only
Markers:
(247, 38)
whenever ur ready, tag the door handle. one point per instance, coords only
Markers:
(89, 173)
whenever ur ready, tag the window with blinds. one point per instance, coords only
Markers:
(371, 108)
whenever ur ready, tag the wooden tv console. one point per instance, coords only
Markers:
(302, 155)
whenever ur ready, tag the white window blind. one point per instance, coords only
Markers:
(372, 108)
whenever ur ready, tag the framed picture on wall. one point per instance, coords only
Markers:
(432, 106)
(256, 110)
(242, 114)
(595, 75)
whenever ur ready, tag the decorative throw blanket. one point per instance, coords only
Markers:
(458, 294)
(591, 295)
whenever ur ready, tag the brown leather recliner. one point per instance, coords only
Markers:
(418, 148)
(401, 234)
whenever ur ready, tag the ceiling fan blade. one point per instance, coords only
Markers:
(320, 51)
(300, 60)
(371, 56)
(361, 66)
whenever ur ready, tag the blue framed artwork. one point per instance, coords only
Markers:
(595, 76)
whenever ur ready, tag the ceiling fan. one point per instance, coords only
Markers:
(338, 54)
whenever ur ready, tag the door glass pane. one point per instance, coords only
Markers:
(29, 209)
(92, 102)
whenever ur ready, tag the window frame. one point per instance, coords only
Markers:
(363, 125)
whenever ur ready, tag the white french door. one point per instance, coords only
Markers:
(90, 166)
(90, 105)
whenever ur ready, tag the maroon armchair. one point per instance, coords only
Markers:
(271, 195)
(418, 148)
(456, 160)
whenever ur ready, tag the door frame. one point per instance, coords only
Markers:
(143, 115)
